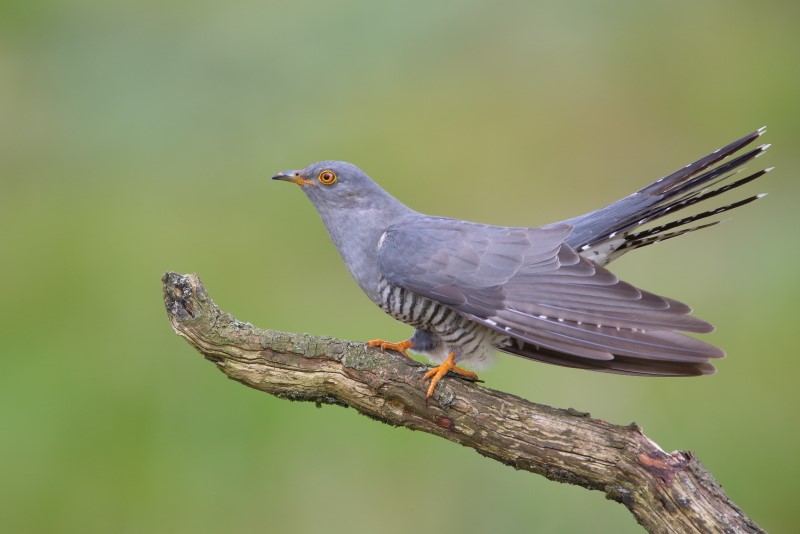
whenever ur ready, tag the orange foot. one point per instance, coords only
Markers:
(438, 372)
(401, 347)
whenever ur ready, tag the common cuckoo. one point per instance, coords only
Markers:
(541, 293)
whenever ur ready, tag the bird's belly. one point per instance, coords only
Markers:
(473, 343)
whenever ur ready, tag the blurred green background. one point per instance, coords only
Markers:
(138, 137)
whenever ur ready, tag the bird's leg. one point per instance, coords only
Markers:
(401, 347)
(438, 372)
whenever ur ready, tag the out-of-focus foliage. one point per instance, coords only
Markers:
(137, 137)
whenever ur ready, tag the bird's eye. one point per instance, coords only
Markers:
(327, 177)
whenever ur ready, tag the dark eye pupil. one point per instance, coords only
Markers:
(327, 177)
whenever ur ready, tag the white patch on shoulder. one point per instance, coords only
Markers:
(381, 240)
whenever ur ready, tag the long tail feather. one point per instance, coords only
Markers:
(605, 234)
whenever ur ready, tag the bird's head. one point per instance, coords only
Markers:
(335, 185)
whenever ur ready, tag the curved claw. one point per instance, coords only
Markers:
(438, 372)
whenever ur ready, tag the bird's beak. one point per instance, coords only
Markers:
(292, 176)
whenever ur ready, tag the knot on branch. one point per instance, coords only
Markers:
(663, 465)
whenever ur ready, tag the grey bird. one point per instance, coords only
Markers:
(541, 293)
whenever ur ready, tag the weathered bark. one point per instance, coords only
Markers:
(666, 492)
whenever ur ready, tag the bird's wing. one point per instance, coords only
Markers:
(528, 284)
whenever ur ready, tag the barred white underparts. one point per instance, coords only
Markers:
(450, 330)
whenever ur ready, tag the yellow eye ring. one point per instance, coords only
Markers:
(327, 177)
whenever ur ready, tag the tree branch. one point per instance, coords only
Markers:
(666, 492)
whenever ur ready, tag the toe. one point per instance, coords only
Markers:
(400, 347)
(438, 373)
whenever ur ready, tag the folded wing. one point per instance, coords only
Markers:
(555, 305)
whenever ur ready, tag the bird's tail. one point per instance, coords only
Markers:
(605, 234)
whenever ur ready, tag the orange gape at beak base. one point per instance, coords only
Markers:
(302, 181)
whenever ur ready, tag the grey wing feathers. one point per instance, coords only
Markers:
(558, 306)
(622, 365)
(450, 258)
